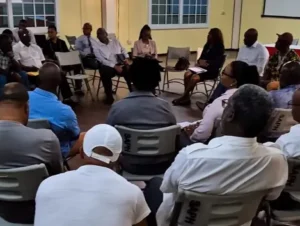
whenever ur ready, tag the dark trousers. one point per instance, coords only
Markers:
(107, 73)
(154, 198)
(285, 202)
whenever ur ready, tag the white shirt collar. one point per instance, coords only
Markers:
(234, 140)
(254, 45)
(295, 129)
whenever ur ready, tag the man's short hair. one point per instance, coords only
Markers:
(52, 26)
(14, 92)
(4, 38)
(145, 73)
(252, 108)
(23, 21)
(7, 32)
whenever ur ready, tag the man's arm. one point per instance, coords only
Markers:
(123, 50)
(141, 210)
(262, 60)
(56, 161)
(64, 47)
(79, 46)
(100, 57)
(72, 124)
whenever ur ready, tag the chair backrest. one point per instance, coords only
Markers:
(199, 209)
(149, 142)
(293, 183)
(295, 42)
(68, 58)
(71, 40)
(21, 184)
(199, 52)
(38, 124)
(280, 123)
(174, 53)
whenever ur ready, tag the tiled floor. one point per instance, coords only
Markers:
(91, 113)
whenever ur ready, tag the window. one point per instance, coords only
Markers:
(38, 13)
(178, 14)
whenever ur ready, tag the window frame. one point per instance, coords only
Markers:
(35, 30)
(180, 25)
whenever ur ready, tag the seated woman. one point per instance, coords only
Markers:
(144, 111)
(145, 46)
(289, 82)
(210, 59)
(235, 74)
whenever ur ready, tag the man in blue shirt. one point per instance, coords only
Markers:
(44, 104)
(289, 83)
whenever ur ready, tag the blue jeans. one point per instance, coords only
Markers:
(24, 78)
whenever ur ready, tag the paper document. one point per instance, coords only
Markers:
(186, 124)
(197, 70)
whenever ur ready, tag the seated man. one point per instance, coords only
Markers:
(45, 105)
(114, 60)
(31, 59)
(9, 33)
(23, 26)
(10, 70)
(55, 44)
(22, 146)
(94, 194)
(283, 55)
(142, 110)
(289, 144)
(234, 163)
(87, 46)
(289, 83)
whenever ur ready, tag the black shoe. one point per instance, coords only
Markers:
(109, 101)
(79, 93)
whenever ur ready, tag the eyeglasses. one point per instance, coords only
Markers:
(224, 103)
(224, 73)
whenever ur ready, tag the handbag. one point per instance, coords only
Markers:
(182, 64)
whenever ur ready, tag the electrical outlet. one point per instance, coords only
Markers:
(129, 42)
(223, 13)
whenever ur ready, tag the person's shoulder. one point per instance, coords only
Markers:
(152, 41)
(272, 149)
(35, 46)
(53, 183)
(197, 150)
(65, 110)
(17, 46)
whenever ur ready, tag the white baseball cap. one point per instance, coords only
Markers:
(103, 135)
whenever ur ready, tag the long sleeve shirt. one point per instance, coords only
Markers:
(82, 45)
(211, 113)
(107, 54)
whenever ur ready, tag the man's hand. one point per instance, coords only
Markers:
(203, 63)
(126, 61)
(118, 68)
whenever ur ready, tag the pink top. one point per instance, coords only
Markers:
(141, 49)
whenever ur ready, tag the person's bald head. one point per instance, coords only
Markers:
(87, 29)
(14, 103)
(24, 36)
(102, 35)
(250, 37)
(296, 106)
(50, 76)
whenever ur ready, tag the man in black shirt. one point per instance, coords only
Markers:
(55, 44)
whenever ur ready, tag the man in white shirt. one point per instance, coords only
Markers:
(114, 59)
(23, 26)
(253, 53)
(94, 194)
(290, 142)
(233, 164)
(30, 56)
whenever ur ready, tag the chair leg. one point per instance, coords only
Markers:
(117, 85)
(94, 77)
(168, 84)
(164, 81)
(89, 88)
(99, 86)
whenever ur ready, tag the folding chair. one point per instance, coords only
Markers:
(192, 208)
(38, 124)
(70, 59)
(293, 188)
(139, 144)
(71, 40)
(209, 88)
(20, 184)
(280, 123)
(174, 53)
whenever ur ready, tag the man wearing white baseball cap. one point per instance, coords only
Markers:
(94, 194)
